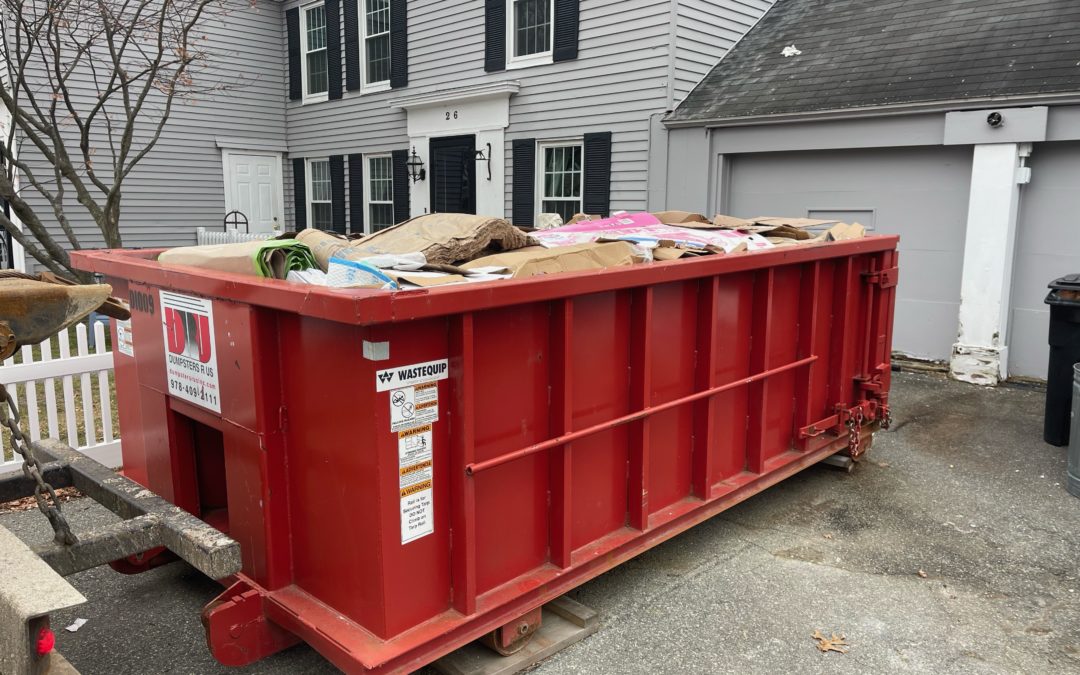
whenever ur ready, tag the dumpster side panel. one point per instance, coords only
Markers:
(599, 391)
(672, 329)
(128, 401)
(732, 310)
(334, 496)
(511, 373)
(416, 574)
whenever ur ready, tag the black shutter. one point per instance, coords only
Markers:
(292, 27)
(597, 196)
(401, 185)
(337, 193)
(399, 44)
(356, 194)
(523, 202)
(352, 45)
(299, 175)
(566, 30)
(494, 35)
(333, 48)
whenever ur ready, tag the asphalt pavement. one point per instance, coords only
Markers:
(952, 548)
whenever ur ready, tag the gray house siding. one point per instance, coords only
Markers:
(704, 31)
(180, 184)
(1047, 248)
(618, 83)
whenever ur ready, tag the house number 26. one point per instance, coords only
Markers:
(448, 114)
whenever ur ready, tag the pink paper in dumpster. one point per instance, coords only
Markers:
(644, 228)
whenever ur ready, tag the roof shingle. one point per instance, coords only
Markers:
(863, 53)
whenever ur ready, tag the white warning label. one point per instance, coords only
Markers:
(416, 475)
(124, 343)
(418, 373)
(414, 406)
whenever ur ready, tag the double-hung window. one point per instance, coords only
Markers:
(320, 209)
(560, 175)
(313, 34)
(375, 23)
(379, 197)
(529, 31)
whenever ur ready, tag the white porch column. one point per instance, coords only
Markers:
(980, 354)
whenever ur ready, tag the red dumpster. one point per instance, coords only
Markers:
(408, 471)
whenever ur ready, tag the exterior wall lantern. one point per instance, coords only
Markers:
(416, 167)
(481, 157)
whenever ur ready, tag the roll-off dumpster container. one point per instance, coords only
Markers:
(408, 471)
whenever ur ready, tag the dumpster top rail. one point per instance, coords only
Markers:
(375, 306)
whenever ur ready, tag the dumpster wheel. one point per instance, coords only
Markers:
(514, 636)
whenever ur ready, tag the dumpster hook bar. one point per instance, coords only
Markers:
(477, 467)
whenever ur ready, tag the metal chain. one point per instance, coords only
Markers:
(886, 417)
(47, 501)
(854, 425)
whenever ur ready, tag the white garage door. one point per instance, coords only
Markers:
(1047, 247)
(919, 193)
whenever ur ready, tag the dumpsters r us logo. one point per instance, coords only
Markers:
(190, 352)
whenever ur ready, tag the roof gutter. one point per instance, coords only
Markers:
(1071, 98)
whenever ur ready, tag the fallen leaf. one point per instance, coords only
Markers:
(922, 573)
(830, 644)
(827, 535)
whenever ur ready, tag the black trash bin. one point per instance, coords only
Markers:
(1064, 301)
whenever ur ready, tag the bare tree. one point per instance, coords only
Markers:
(89, 88)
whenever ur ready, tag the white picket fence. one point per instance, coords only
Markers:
(86, 395)
(205, 236)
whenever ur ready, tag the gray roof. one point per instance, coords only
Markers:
(871, 53)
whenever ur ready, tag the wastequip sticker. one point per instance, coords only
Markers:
(395, 378)
(190, 352)
(415, 476)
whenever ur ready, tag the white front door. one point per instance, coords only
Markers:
(253, 187)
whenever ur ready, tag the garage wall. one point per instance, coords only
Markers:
(920, 193)
(1047, 247)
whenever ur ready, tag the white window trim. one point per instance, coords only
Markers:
(306, 97)
(538, 59)
(539, 189)
(309, 193)
(365, 86)
(367, 187)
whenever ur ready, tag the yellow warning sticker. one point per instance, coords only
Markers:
(416, 478)
(413, 489)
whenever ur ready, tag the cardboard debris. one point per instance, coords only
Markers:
(533, 260)
(662, 253)
(273, 258)
(323, 245)
(780, 221)
(843, 231)
(443, 238)
(680, 218)
(581, 217)
(731, 222)
(644, 230)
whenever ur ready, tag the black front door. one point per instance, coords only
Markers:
(453, 174)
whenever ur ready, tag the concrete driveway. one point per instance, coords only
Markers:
(953, 548)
